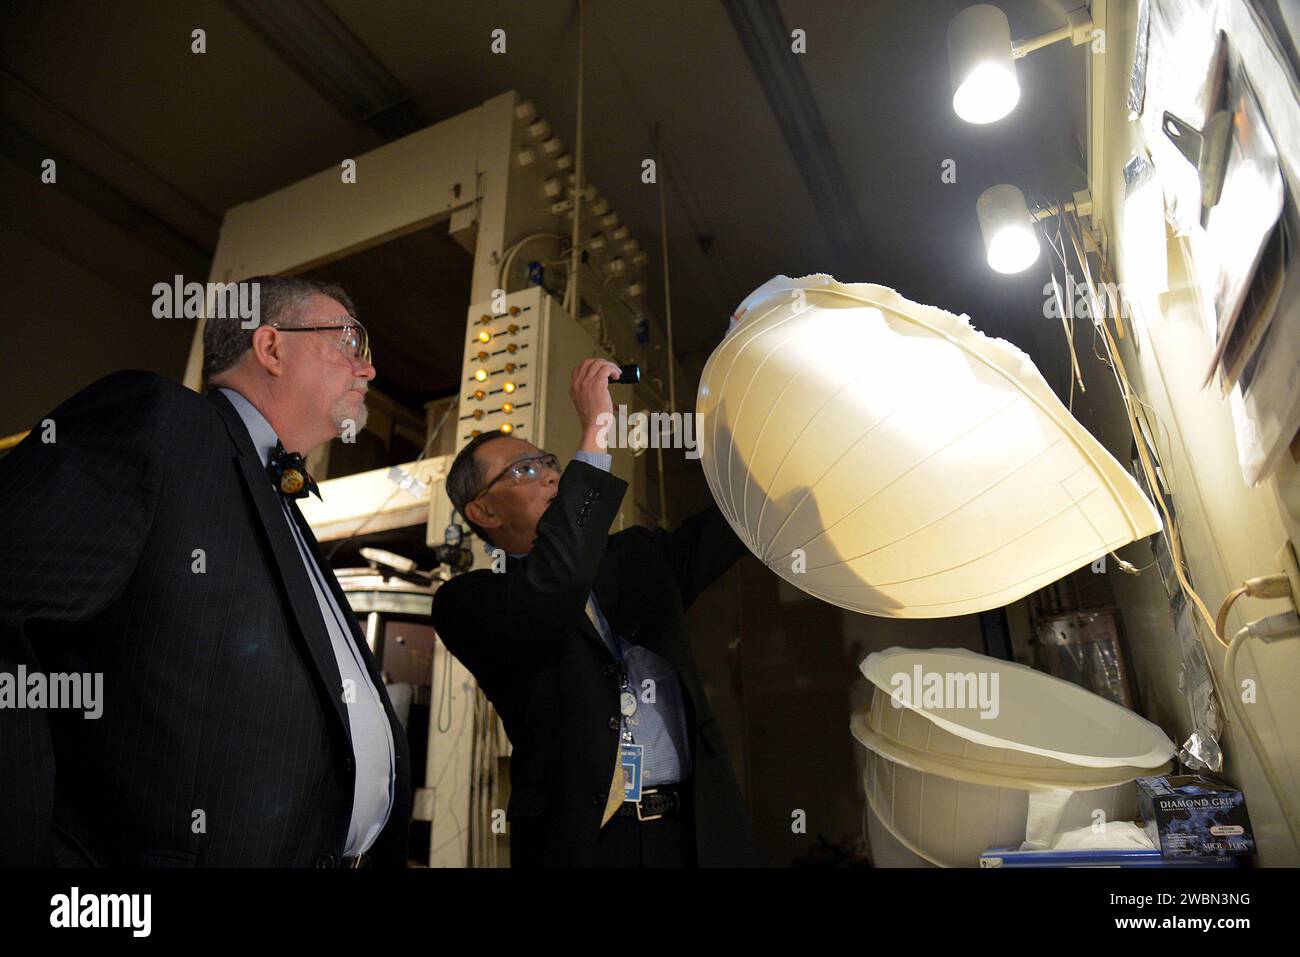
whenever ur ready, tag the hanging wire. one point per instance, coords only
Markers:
(1075, 229)
(1065, 302)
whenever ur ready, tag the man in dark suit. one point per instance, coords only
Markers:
(149, 537)
(580, 645)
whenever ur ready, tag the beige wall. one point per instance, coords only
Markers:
(1230, 531)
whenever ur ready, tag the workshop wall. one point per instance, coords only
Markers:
(1229, 530)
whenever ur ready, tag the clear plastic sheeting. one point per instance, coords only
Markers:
(886, 457)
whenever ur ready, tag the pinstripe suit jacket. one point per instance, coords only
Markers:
(146, 543)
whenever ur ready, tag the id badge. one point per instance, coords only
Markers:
(630, 756)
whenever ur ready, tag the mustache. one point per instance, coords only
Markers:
(361, 385)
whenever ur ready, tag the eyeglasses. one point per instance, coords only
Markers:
(353, 340)
(525, 470)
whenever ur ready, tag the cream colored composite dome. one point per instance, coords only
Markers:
(888, 458)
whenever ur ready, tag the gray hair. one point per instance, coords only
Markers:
(280, 300)
(466, 476)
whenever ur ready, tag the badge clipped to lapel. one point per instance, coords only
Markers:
(289, 472)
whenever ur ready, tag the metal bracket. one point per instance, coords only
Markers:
(1205, 149)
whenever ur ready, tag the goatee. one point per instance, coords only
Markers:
(342, 415)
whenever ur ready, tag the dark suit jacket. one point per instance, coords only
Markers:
(526, 637)
(224, 738)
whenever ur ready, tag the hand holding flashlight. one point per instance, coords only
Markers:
(589, 392)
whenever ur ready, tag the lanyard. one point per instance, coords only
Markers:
(626, 698)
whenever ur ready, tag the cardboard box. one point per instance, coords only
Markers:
(1192, 815)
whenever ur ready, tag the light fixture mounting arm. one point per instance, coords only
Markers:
(1081, 206)
(1077, 29)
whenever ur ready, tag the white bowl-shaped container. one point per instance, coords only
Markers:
(944, 784)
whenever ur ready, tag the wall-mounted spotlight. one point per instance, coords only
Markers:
(1007, 226)
(982, 55)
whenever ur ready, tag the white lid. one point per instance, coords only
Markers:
(1018, 708)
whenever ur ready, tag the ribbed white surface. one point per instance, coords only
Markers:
(923, 469)
(1037, 714)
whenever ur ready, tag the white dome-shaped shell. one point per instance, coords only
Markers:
(886, 457)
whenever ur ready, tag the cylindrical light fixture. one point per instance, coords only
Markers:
(1008, 229)
(981, 65)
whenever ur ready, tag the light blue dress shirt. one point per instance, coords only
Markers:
(372, 736)
(659, 726)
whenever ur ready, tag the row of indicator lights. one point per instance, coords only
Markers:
(483, 355)
(480, 395)
(507, 386)
(506, 407)
(503, 427)
(481, 375)
(486, 318)
(485, 335)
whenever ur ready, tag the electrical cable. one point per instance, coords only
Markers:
(1265, 586)
(668, 315)
(1065, 306)
(513, 250)
(1285, 625)
(444, 695)
(668, 296)
(1221, 621)
(1175, 540)
(573, 292)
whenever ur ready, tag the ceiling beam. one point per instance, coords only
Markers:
(766, 40)
(309, 37)
(85, 186)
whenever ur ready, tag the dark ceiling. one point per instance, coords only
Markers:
(825, 161)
